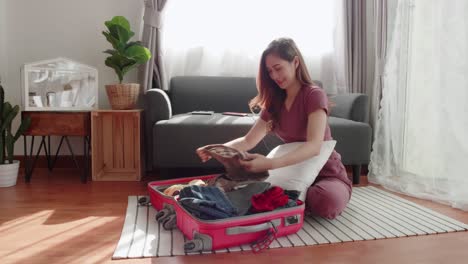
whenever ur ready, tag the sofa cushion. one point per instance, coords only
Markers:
(299, 176)
(219, 94)
(213, 93)
(176, 139)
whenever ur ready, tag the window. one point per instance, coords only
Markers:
(227, 37)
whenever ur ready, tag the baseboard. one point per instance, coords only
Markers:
(63, 161)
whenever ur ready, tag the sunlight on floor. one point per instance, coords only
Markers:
(85, 235)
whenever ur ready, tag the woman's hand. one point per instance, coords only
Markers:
(256, 163)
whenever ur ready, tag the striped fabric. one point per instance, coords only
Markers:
(371, 214)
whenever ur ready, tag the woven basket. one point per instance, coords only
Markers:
(123, 96)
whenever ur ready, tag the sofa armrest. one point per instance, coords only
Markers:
(352, 106)
(157, 107)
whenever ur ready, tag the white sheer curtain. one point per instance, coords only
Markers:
(226, 38)
(421, 145)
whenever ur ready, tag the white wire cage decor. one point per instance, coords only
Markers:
(59, 84)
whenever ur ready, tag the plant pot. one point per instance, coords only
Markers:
(123, 96)
(9, 174)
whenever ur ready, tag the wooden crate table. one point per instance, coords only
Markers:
(116, 145)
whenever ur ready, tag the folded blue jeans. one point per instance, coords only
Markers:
(206, 202)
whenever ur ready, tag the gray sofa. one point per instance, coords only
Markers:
(173, 134)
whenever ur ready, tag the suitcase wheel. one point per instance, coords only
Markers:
(164, 213)
(143, 201)
(161, 214)
(193, 245)
(170, 222)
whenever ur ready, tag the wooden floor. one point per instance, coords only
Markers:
(56, 219)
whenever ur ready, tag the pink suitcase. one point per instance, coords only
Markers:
(258, 229)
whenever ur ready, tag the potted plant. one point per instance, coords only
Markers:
(123, 57)
(8, 166)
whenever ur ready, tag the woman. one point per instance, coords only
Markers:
(297, 111)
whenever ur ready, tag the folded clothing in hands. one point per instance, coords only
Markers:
(235, 173)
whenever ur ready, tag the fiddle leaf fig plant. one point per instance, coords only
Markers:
(125, 54)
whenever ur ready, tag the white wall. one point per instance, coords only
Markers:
(36, 30)
(3, 57)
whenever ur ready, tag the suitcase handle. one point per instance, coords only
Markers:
(237, 230)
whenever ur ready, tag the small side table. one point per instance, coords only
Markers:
(51, 123)
(116, 145)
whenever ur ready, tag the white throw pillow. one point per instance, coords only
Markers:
(301, 175)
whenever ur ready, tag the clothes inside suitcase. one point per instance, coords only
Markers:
(229, 227)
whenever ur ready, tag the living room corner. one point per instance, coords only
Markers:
(251, 131)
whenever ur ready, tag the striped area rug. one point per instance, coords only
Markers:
(371, 214)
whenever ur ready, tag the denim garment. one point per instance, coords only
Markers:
(206, 202)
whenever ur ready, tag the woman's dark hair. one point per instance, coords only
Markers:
(270, 96)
